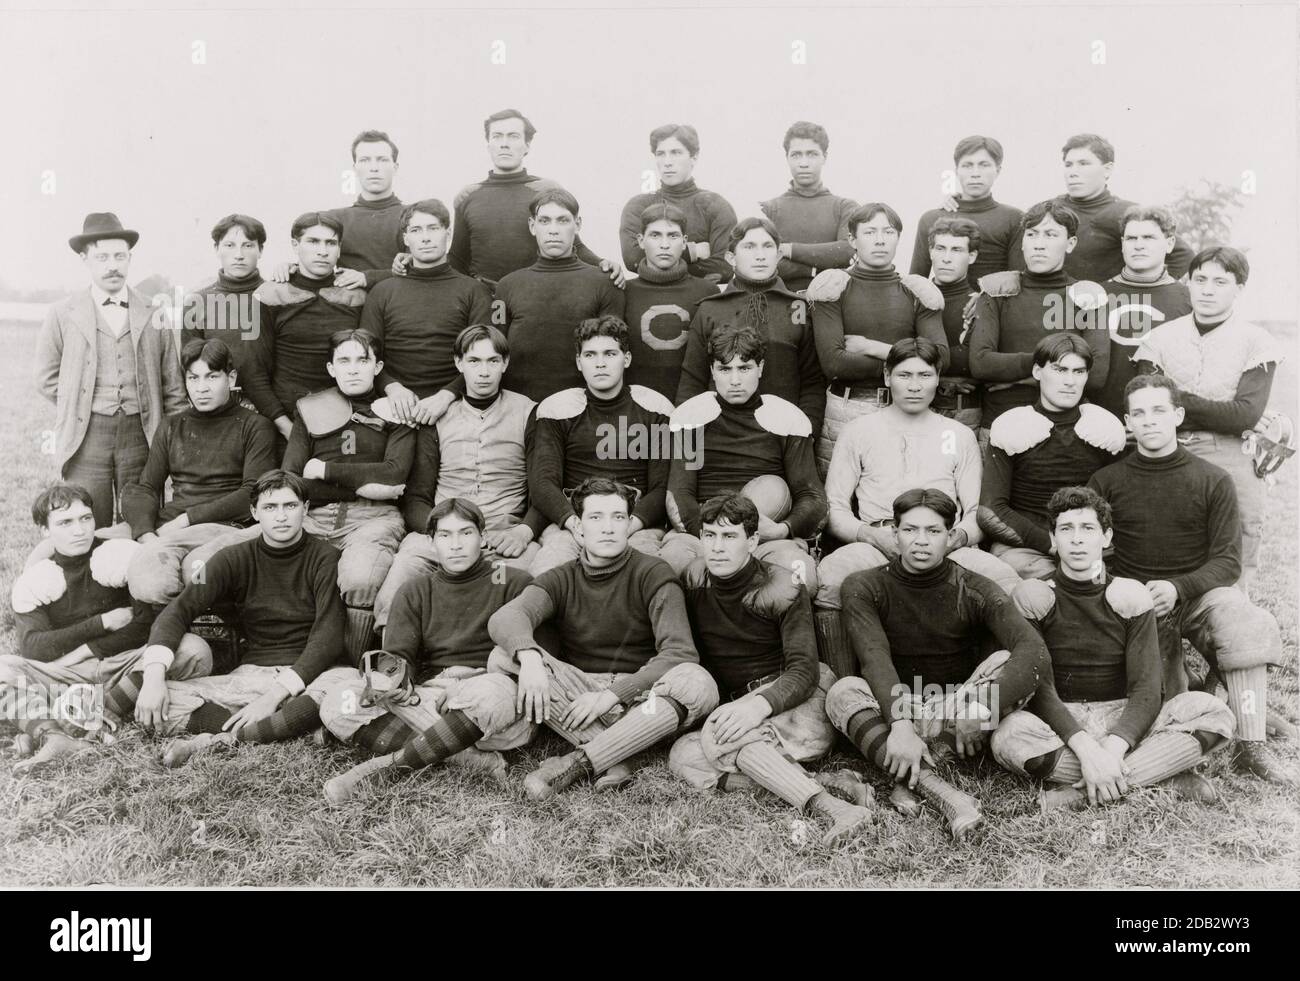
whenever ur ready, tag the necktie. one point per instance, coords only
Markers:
(110, 302)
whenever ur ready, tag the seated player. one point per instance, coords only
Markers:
(76, 627)
(607, 429)
(734, 439)
(355, 466)
(442, 700)
(919, 622)
(1036, 449)
(283, 586)
(1096, 724)
(754, 628)
(212, 453)
(624, 674)
(878, 457)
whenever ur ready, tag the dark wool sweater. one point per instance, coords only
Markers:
(223, 311)
(416, 318)
(709, 218)
(1097, 656)
(955, 297)
(909, 629)
(875, 305)
(1175, 519)
(783, 319)
(649, 635)
(213, 460)
(50, 631)
(354, 454)
(999, 226)
(815, 223)
(1007, 328)
(1099, 255)
(492, 238)
(287, 601)
(288, 359)
(579, 436)
(543, 305)
(370, 237)
(440, 620)
(658, 310)
(752, 624)
(1134, 310)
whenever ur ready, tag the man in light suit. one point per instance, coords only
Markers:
(108, 368)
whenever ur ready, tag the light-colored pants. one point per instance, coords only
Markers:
(1225, 627)
(233, 691)
(559, 546)
(1225, 451)
(847, 559)
(1023, 736)
(680, 550)
(802, 733)
(369, 534)
(842, 409)
(1029, 563)
(160, 569)
(487, 698)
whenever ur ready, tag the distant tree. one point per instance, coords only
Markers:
(1206, 212)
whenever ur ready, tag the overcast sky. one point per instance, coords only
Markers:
(114, 105)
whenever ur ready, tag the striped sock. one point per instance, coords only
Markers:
(119, 701)
(385, 734)
(867, 731)
(296, 717)
(358, 632)
(640, 728)
(770, 769)
(1248, 699)
(1162, 756)
(1067, 769)
(208, 717)
(452, 732)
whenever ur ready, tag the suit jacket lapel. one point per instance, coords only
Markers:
(84, 316)
(139, 313)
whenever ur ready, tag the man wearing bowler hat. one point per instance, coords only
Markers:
(110, 373)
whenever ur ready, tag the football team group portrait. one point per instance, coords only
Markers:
(586, 449)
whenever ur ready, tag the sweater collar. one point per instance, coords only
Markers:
(750, 404)
(303, 281)
(887, 275)
(661, 277)
(1049, 281)
(975, 207)
(481, 405)
(1164, 280)
(919, 580)
(1058, 416)
(604, 572)
(442, 270)
(756, 285)
(683, 190)
(1174, 460)
(382, 204)
(70, 562)
(1094, 203)
(960, 287)
(246, 285)
(286, 551)
(1078, 587)
(816, 191)
(480, 568)
(567, 264)
(739, 581)
(520, 176)
(232, 402)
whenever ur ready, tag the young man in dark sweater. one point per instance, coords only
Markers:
(355, 466)
(1036, 449)
(918, 627)
(297, 320)
(955, 245)
(709, 218)
(1177, 530)
(606, 429)
(431, 699)
(660, 302)
(370, 224)
(754, 628)
(224, 309)
(735, 439)
(76, 627)
(1096, 724)
(877, 309)
(813, 223)
(978, 163)
(283, 587)
(624, 674)
(212, 453)
(756, 297)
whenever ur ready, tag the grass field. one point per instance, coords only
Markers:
(256, 817)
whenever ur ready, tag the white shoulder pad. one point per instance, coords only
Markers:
(650, 400)
(1128, 597)
(782, 418)
(925, 291)
(1019, 429)
(1100, 428)
(564, 404)
(1004, 283)
(384, 409)
(1087, 295)
(109, 561)
(39, 585)
(281, 294)
(1034, 598)
(695, 412)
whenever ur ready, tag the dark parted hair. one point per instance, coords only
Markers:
(736, 341)
(1150, 212)
(957, 228)
(274, 480)
(915, 347)
(553, 195)
(747, 225)
(56, 497)
(1232, 260)
(869, 210)
(804, 130)
(253, 229)
(681, 131)
(214, 353)
(474, 333)
(926, 497)
(604, 326)
(593, 486)
(734, 509)
(1053, 348)
(974, 144)
(359, 334)
(1138, 382)
(663, 211)
(461, 507)
(429, 206)
(1099, 145)
(373, 136)
(1058, 212)
(310, 219)
(529, 129)
(1075, 498)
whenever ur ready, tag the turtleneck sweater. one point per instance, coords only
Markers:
(1176, 519)
(543, 304)
(659, 307)
(912, 629)
(1134, 311)
(955, 297)
(370, 236)
(709, 218)
(1098, 254)
(999, 226)
(221, 311)
(876, 305)
(815, 223)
